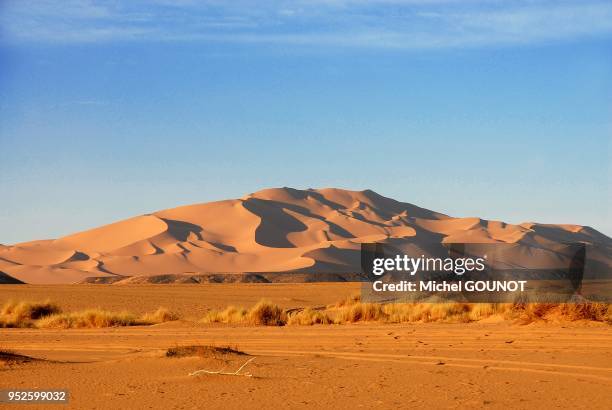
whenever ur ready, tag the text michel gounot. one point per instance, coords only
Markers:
(459, 266)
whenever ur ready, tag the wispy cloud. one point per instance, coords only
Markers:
(97, 103)
(400, 24)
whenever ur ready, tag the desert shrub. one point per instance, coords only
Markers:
(529, 312)
(267, 313)
(601, 312)
(454, 312)
(308, 316)
(23, 314)
(161, 315)
(405, 312)
(358, 312)
(231, 314)
(263, 313)
(413, 312)
(93, 318)
(480, 311)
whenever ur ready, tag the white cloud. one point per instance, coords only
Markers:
(400, 24)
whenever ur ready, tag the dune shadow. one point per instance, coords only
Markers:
(181, 229)
(6, 279)
(275, 223)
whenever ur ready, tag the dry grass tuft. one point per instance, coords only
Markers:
(161, 315)
(98, 318)
(530, 312)
(308, 317)
(231, 314)
(401, 312)
(205, 351)
(24, 314)
(361, 312)
(93, 318)
(267, 313)
(263, 313)
(601, 312)
(479, 311)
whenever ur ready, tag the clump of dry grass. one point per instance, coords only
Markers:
(98, 318)
(601, 312)
(92, 318)
(361, 312)
(49, 315)
(479, 311)
(308, 317)
(161, 315)
(231, 314)
(404, 312)
(529, 312)
(24, 314)
(267, 313)
(205, 351)
(263, 313)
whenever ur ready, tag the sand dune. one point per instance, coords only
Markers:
(273, 230)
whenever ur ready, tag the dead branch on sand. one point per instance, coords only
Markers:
(236, 373)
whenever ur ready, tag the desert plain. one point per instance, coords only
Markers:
(493, 362)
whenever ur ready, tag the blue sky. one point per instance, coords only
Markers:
(497, 109)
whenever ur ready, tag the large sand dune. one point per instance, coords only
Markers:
(270, 231)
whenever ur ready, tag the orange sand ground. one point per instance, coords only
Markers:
(495, 364)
